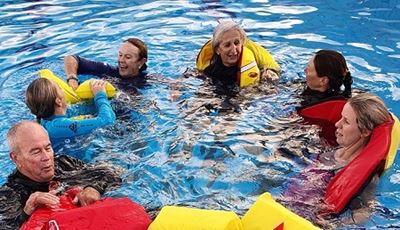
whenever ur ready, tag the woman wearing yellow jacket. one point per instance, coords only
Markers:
(232, 58)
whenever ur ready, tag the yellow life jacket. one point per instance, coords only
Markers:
(253, 59)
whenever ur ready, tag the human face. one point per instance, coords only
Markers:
(34, 158)
(313, 81)
(347, 130)
(230, 47)
(129, 61)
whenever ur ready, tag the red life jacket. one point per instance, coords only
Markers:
(104, 214)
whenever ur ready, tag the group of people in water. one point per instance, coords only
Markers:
(229, 57)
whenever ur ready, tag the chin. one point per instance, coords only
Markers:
(339, 141)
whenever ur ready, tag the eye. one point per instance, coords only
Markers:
(237, 42)
(226, 45)
(35, 152)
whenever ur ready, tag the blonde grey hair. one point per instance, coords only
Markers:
(370, 110)
(12, 134)
(222, 28)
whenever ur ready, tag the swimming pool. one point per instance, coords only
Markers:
(205, 151)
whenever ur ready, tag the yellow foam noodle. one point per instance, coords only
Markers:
(69, 93)
(394, 142)
(184, 218)
(267, 214)
(84, 91)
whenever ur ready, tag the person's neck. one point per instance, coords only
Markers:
(323, 89)
(133, 75)
(348, 153)
(60, 111)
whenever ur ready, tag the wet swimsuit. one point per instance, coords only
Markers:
(69, 172)
(100, 69)
(61, 127)
(105, 70)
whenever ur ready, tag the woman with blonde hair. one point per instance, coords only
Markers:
(46, 100)
(347, 176)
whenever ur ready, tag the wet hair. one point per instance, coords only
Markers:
(40, 97)
(370, 110)
(333, 65)
(142, 50)
(12, 134)
(221, 29)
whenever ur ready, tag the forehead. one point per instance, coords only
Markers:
(230, 35)
(348, 112)
(32, 135)
(128, 48)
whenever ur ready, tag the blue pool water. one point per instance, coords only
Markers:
(202, 150)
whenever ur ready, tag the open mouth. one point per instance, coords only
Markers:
(338, 134)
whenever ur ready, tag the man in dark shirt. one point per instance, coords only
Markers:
(132, 58)
(39, 176)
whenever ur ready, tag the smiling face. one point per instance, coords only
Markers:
(34, 156)
(230, 47)
(129, 60)
(347, 130)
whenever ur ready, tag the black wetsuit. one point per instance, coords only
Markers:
(69, 172)
(221, 73)
(110, 73)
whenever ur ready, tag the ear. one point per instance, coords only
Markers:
(58, 102)
(365, 132)
(324, 81)
(217, 51)
(144, 60)
(14, 156)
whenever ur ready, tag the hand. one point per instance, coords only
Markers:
(97, 86)
(38, 199)
(270, 75)
(174, 95)
(86, 197)
(72, 81)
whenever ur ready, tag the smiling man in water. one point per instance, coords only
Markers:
(132, 58)
(39, 176)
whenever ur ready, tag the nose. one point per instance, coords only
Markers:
(339, 123)
(46, 155)
(235, 49)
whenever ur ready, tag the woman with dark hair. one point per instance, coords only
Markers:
(326, 72)
(132, 58)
